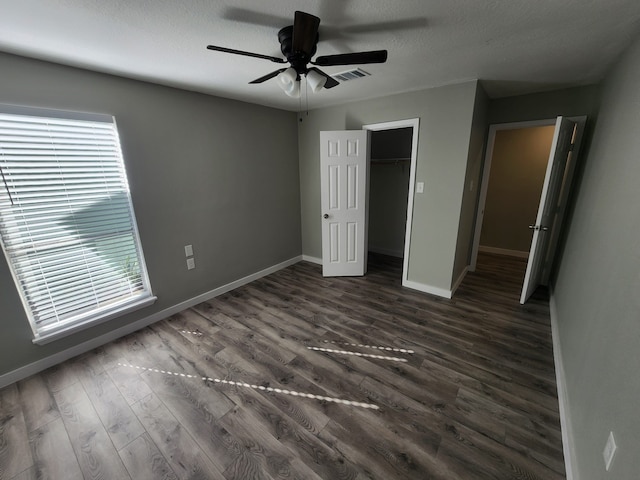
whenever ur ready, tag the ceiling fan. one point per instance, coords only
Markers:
(298, 43)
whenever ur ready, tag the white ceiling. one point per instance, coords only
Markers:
(514, 46)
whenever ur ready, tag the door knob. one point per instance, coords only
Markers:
(326, 215)
(544, 229)
(532, 227)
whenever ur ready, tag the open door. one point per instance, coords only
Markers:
(561, 148)
(344, 162)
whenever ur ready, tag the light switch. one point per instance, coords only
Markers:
(420, 187)
(188, 250)
(191, 263)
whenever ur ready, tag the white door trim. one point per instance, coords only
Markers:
(415, 124)
(565, 193)
(486, 170)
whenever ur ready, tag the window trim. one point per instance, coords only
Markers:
(105, 316)
(99, 315)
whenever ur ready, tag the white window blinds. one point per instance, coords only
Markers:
(66, 220)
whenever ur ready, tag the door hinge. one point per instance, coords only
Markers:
(571, 147)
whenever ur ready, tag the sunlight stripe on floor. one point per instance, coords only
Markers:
(197, 334)
(357, 354)
(388, 349)
(257, 387)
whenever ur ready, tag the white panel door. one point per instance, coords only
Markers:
(343, 179)
(560, 150)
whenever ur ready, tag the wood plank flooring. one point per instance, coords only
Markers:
(296, 376)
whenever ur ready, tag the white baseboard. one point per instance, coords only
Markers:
(504, 251)
(387, 251)
(44, 363)
(308, 258)
(570, 464)
(440, 292)
(459, 280)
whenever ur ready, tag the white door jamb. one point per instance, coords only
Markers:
(415, 124)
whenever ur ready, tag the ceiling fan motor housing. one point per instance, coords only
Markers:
(298, 60)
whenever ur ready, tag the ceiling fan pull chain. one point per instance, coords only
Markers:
(300, 103)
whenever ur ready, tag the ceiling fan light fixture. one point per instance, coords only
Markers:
(294, 91)
(288, 82)
(315, 81)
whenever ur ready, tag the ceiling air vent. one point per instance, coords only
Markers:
(350, 75)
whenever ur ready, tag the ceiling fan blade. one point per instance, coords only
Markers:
(331, 82)
(246, 54)
(305, 33)
(268, 76)
(330, 33)
(253, 17)
(359, 58)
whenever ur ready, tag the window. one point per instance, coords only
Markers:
(67, 224)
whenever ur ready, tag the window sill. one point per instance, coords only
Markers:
(50, 336)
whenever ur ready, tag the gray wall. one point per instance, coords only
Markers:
(545, 105)
(445, 127)
(596, 289)
(471, 190)
(389, 189)
(518, 167)
(218, 174)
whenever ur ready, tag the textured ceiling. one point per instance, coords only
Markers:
(514, 46)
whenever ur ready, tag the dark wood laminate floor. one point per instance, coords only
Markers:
(235, 388)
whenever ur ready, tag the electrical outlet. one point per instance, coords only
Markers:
(420, 187)
(191, 263)
(609, 451)
(188, 250)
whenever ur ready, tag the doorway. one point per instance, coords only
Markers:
(518, 167)
(516, 187)
(394, 147)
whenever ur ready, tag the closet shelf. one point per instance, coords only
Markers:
(393, 161)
